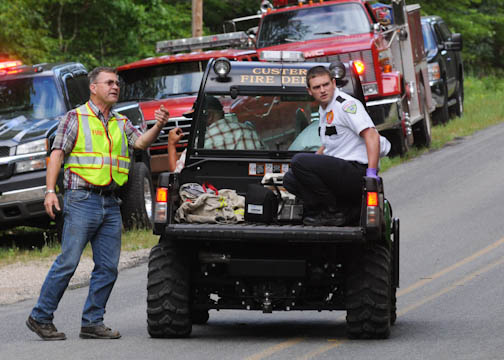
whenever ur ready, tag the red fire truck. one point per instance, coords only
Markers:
(385, 43)
(173, 80)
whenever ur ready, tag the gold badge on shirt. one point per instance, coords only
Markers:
(329, 117)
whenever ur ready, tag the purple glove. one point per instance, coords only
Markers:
(372, 172)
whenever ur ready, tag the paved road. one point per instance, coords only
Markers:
(450, 301)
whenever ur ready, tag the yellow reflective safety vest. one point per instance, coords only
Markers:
(100, 156)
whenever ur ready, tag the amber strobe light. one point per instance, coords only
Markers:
(161, 206)
(162, 195)
(372, 199)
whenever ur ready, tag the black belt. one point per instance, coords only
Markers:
(103, 192)
(359, 164)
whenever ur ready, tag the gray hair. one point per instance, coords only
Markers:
(93, 74)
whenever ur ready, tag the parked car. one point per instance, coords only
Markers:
(31, 100)
(446, 70)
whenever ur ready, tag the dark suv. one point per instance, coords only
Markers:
(31, 100)
(446, 71)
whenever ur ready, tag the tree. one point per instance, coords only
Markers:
(90, 31)
(116, 32)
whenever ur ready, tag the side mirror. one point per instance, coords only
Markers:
(455, 44)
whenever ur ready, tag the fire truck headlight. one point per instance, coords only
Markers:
(370, 89)
(338, 70)
(222, 67)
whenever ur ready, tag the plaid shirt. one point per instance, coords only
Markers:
(230, 134)
(66, 135)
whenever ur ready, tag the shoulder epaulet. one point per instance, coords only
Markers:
(340, 99)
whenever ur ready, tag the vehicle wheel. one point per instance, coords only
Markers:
(199, 317)
(399, 142)
(422, 129)
(458, 108)
(168, 277)
(393, 305)
(368, 296)
(136, 208)
(442, 115)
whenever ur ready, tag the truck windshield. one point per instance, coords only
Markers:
(32, 97)
(162, 81)
(276, 123)
(428, 37)
(312, 23)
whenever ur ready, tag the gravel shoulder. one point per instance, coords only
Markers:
(22, 281)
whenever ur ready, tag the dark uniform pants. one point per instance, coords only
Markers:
(323, 181)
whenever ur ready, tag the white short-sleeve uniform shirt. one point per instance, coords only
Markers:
(341, 122)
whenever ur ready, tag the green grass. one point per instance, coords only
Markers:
(36, 244)
(483, 108)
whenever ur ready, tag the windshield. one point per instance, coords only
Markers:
(313, 23)
(288, 123)
(32, 97)
(428, 37)
(161, 82)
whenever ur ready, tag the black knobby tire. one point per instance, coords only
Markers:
(422, 129)
(401, 146)
(393, 305)
(442, 115)
(168, 283)
(136, 207)
(368, 294)
(199, 317)
(398, 141)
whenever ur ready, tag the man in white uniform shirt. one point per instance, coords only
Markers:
(330, 181)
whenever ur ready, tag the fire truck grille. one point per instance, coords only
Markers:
(161, 143)
(365, 56)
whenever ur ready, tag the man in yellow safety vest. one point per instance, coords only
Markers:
(94, 142)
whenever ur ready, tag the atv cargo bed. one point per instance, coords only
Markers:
(269, 233)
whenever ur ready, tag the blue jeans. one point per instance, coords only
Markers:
(88, 217)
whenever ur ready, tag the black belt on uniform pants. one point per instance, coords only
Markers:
(359, 164)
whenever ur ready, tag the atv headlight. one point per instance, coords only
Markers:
(222, 67)
(32, 147)
(338, 70)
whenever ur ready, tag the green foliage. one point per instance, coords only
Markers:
(116, 32)
(216, 12)
(90, 31)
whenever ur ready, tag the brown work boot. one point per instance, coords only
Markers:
(98, 332)
(45, 331)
